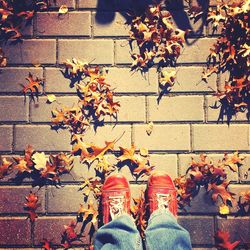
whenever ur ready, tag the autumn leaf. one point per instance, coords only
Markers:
(47, 244)
(221, 191)
(138, 164)
(40, 160)
(25, 164)
(51, 98)
(222, 241)
(63, 9)
(69, 235)
(104, 167)
(89, 213)
(3, 59)
(34, 86)
(89, 185)
(149, 128)
(138, 211)
(157, 39)
(224, 209)
(5, 167)
(31, 206)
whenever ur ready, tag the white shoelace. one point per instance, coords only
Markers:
(163, 201)
(116, 205)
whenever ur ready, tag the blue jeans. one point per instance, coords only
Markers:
(163, 232)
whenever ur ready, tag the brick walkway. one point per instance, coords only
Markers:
(184, 124)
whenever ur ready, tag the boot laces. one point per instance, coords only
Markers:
(163, 200)
(116, 206)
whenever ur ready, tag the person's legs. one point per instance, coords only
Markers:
(163, 231)
(119, 231)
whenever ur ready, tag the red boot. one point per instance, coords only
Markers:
(162, 193)
(115, 197)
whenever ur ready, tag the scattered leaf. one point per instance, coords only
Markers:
(51, 98)
(63, 9)
(149, 128)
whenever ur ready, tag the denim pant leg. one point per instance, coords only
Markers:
(120, 233)
(163, 233)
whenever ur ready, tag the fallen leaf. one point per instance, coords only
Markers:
(224, 209)
(40, 160)
(5, 168)
(51, 98)
(63, 9)
(222, 241)
(149, 128)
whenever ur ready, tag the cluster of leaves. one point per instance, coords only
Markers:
(230, 55)
(139, 211)
(95, 99)
(212, 177)
(14, 16)
(159, 42)
(36, 166)
(31, 206)
(222, 240)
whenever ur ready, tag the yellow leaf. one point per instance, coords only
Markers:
(63, 9)
(224, 209)
(167, 78)
(51, 98)
(149, 128)
(40, 160)
(144, 152)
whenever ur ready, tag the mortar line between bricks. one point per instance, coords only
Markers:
(57, 52)
(29, 111)
(46, 200)
(191, 138)
(91, 24)
(147, 113)
(114, 53)
(178, 165)
(13, 138)
(32, 233)
(205, 109)
(76, 4)
(132, 134)
(44, 79)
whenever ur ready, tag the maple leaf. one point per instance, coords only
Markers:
(167, 78)
(222, 240)
(25, 164)
(69, 235)
(33, 86)
(138, 211)
(89, 213)
(104, 167)
(31, 205)
(233, 162)
(5, 167)
(47, 244)
(75, 66)
(96, 153)
(139, 165)
(221, 190)
(3, 59)
(91, 185)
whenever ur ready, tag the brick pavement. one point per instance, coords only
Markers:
(184, 123)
